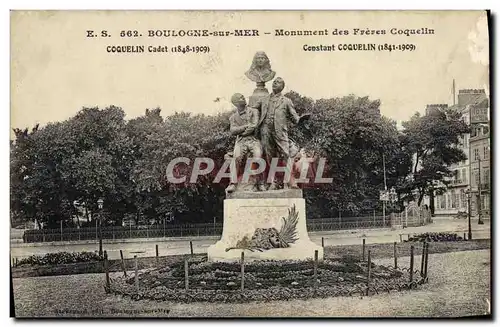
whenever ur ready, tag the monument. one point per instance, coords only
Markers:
(265, 220)
(260, 72)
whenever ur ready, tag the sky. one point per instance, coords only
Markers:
(56, 70)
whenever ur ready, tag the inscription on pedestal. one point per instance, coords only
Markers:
(276, 194)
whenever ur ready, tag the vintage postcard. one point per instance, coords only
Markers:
(250, 164)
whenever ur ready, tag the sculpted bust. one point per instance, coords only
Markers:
(260, 71)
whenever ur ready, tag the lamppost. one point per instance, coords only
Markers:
(392, 199)
(393, 195)
(75, 205)
(469, 195)
(479, 205)
(100, 203)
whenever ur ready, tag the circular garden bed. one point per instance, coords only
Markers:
(264, 280)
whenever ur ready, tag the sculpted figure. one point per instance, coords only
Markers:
(244, 125)
(276, 113)
(260, 71)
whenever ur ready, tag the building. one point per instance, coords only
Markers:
(480, 181)
(473, 104)
(454, 199)
(433, 109)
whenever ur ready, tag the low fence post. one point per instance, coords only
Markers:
(191, 247)
(465, 238)
(422, 260)
(395, 256)
(368, 273)
(322, 242)
(364, 241)
(242, 270)
(186, 274)
(426, 261)
(136, 274)
(106, 270)
(123, 264)
(17, 262)
(315, 267)
(412, 248)
(157, 254)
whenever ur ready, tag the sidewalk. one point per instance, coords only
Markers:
(116, 241)
(458, 226)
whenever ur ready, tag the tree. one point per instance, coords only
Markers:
(82, 158)
(353, 137)
(97, 153)
(22, 202)
(433, 141)
(38, 186)
(302, 105)
(190, 136)
(100, 162)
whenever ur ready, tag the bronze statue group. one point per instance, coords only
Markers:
(261, 130)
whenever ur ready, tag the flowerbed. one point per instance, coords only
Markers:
(435, 237)
(264, 281)
(59, 258)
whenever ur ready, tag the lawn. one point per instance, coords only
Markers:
(386, 250)
(459, 285)
(378, 250)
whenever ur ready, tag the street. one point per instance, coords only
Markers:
(172, 246)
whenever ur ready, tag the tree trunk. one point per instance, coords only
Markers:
(431, 202)
(420, 197)
(87, 214)
(38, 223)
(416, 163)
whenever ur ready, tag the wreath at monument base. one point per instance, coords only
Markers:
(270, 238)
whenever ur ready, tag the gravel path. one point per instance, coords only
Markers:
(459, 284)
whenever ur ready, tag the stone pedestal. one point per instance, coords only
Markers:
(245, 212)
(259, 93)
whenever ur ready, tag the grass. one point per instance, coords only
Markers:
(386, 250)
(167, 284)
(459, 284)
(380, 250)
(270, 281)
(93, 267)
